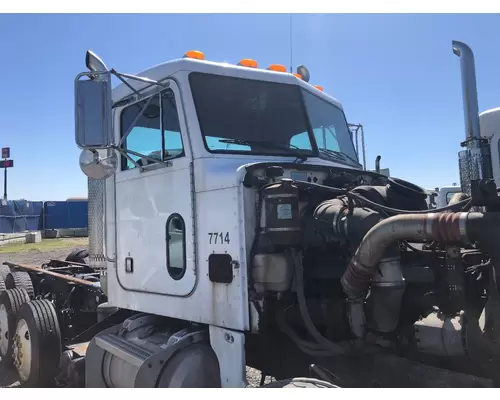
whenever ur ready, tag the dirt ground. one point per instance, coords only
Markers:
(37, 255)
(414, 376)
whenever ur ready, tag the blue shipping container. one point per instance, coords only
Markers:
(20, 215)
(65, 215)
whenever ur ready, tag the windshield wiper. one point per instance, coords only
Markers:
(339, 155)
(265, 143)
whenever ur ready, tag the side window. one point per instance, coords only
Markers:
(156, 133)
(449, 195)
(176, 246)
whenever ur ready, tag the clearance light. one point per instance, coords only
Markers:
(247, 62)
(198, 55)
(319, 87)
(297, 76)
(277, 68)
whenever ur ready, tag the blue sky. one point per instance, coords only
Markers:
(396, 74)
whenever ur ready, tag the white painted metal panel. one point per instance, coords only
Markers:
(144, 202)
(221, 229)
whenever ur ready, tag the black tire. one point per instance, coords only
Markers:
(78, 256)
(4, 271)
(299, 383)
(20, 279)
(2, 285)
(12, 300)
(45, 335)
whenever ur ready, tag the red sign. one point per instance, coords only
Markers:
(5, 152)
(6, 163)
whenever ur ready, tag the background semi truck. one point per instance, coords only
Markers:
(234, 225)
(489, 122)
(440, 197)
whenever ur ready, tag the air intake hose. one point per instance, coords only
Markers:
(352, 225)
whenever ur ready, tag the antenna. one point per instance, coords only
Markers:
(291, 53)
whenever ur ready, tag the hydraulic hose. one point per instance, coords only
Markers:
(312, 349)
(331, 347)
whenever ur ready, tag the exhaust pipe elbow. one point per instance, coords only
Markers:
(469, 89)
(442, 227)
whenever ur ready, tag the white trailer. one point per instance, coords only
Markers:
(489, 122)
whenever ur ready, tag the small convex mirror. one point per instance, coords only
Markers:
(93, 104)
(98, 164)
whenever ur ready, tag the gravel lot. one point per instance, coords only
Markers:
(37, 257)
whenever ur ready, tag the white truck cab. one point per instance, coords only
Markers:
(444, 195)
(178, 224)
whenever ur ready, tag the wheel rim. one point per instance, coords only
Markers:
(22, 350)
(4, 331)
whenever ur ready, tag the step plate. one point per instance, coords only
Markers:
(123, 349)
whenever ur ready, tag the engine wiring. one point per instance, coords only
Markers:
(461, 205)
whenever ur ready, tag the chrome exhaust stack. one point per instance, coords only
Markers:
(475, 160)
(469, 89)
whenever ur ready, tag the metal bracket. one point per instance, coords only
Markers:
(484, 193)
(229, 346)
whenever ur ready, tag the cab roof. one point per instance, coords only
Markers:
(162, 71)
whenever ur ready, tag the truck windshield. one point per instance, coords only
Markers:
(239, 115)
(329, 128)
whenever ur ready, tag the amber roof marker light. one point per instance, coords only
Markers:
(277, 68)
(248, 62)
(196, 54)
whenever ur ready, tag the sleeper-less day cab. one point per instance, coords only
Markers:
(169, 226)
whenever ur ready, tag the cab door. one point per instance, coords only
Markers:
(154, 201)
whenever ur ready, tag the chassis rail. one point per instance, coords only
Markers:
(56, 275)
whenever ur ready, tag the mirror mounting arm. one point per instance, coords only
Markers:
(134, 122)
(139, 78)
(124, 153)
(125, 82)
(151, 82)
(134, 153)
